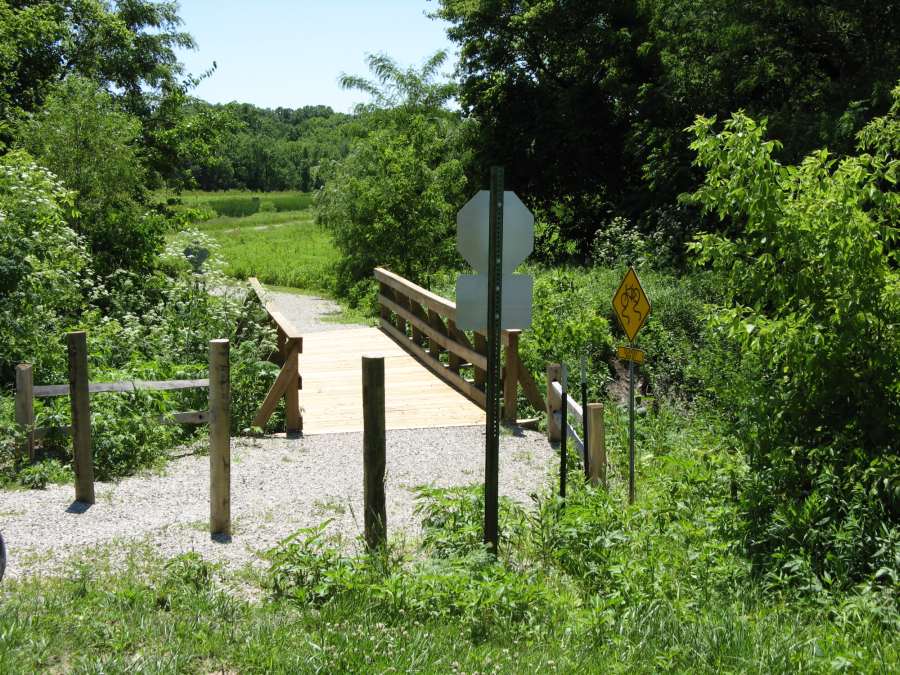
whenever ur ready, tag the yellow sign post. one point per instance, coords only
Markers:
(632, 307)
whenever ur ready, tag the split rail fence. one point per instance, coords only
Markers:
(424, 324)
(79, 390)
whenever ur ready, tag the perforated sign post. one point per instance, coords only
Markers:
(495, 232)
(632, 307)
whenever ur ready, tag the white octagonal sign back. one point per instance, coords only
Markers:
(472, 230)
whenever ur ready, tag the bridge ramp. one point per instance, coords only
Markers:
(415, 398)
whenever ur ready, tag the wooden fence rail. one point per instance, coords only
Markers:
(424, 324)
(288, 383)
(595, 453)
(79, 391)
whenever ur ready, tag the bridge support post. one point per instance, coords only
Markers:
(374, 452)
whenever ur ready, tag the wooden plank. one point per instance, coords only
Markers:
(574, 406)
(464, 386)
(447, 343)
(529, 386)
(187, 417)
(25, 410)
(442, 306)
(50, 390)
(293, 421)
(597, 443)
(81, 416)
(280, 320)
(276, 391)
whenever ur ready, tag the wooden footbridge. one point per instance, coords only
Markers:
(434, 372)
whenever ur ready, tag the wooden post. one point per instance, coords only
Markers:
(554, 401)
(481, 348)
(292, 420)
(219, 438)
(80, 399)
(511, 379)
(455, 361)
(25, 409)
(597, 443)
(374, 453)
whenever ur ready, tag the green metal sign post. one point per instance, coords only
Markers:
(495, 298)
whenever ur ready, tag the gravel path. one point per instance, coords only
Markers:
(307, 312)
(278, 486)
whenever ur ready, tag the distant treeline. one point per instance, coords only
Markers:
(263, 150)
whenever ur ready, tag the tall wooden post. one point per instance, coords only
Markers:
(25, 410)
(374, 451)
(554, 401)
(219, 438)
(597, 443)
(511, 378)
(293, 423)
(80, 399)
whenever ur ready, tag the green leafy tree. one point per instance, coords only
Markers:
(392, 200)
(808, 263)
(93, 146)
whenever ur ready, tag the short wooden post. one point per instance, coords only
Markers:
(80, 399)
(481, 348)
(25, 410)
(511, 378)
(219, 438)
(293, 421)
(554, 402)
(597, 443)
(374, 453)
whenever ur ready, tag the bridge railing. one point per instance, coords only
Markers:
(288, 383)
(424, 324)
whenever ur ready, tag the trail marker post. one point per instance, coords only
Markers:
(632, 307)
(495, 232)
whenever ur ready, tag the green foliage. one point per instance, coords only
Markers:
(79, 124)
(43, 264)
(392, 201)
(585, 102)
(39, 474)
(814, 305)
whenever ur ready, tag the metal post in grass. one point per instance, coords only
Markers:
(219, 438)
(374, 452)
(80, 399)
(564, 426)
(584, 418)
(492, 398)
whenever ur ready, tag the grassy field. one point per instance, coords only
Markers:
(281, 247)
(596, 586)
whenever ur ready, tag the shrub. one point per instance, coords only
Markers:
(44, 266)
(814, 294)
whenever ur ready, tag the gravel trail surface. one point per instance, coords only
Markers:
(278, 486)
(307, 312)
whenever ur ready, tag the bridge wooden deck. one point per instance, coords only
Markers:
(428, 361)
(331, 398)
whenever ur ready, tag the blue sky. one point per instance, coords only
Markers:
(282, 53)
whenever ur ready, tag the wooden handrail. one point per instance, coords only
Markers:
(288, 383)
(428, 317)
(50, 390)
(284, 325)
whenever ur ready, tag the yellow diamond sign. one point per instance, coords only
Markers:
(631, 304)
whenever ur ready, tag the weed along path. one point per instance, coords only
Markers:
(278, 485)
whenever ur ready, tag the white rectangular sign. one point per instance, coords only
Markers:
(472, 301)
